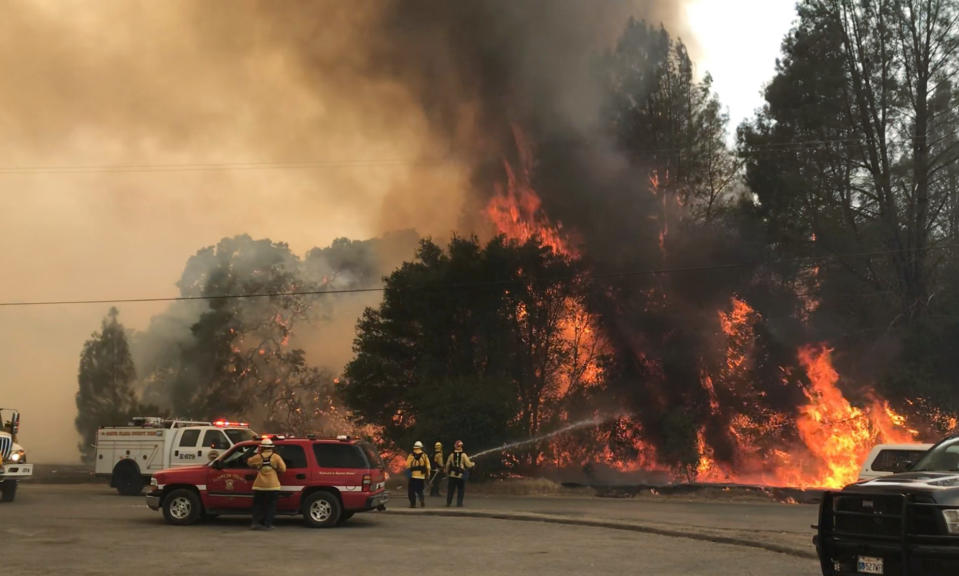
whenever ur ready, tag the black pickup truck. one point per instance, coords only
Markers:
(903, 524)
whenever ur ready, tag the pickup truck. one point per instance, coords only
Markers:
(129, 455)
(902, 524)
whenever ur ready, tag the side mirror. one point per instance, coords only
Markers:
(15, 424)
(217, 464)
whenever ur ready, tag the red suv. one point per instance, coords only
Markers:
(326, 480)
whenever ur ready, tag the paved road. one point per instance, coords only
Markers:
(770, 523)
(88, 529)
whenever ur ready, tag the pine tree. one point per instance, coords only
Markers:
(105, 396)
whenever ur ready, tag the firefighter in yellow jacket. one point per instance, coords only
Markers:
(456, 466)
(266, 487)
(439, 463)
(419, 465)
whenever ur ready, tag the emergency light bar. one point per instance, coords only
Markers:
(221, 423)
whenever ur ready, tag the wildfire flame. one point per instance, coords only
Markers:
(834, 436)
(820, 443)
(515, 208)
(836, 432)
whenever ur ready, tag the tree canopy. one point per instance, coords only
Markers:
(105, 377)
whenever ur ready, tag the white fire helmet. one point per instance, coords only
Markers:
(266, 444)
(418, 444)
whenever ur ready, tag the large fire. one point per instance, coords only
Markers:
(833, 435)
(819, 443)
(515, 208)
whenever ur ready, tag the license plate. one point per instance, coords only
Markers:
(869, 565)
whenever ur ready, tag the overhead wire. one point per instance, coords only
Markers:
(494, 283)
(445, 159)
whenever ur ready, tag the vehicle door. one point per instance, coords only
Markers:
(186, 448)
(341, 466)
(230, 481)
(214, 443)
(294, 479)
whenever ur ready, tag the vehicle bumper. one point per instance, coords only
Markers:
(11, 471)
(153, 500)
(911, 558)
(377, 500)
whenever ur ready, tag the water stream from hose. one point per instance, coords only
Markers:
(595, 421)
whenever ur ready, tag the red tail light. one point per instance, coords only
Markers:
(367, 481)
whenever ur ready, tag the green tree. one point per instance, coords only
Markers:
(105, 396)
(467, 344)
(854, 162)
(668, 121)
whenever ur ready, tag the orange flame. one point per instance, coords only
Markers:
(821, 444)
(837, 433)
(515, 210)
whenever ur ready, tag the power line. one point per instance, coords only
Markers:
(221, 166)
(447, 159)
(189, 298)
(462, 286)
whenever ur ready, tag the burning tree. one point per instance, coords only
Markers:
(232, 348)
(473, 343)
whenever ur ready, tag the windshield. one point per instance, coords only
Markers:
(943, 457)
(6, 420)
(237, 456)
(238, 435)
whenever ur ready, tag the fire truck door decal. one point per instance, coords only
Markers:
(229, 489)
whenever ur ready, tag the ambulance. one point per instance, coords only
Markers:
(130, 455)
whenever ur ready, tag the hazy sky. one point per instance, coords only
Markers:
(738, 43)
(222, 111)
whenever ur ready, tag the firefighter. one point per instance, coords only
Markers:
(266, 487)
(419, 465)
(438, 464)
(456, 465)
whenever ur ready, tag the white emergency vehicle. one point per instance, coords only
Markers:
(13, 458)
(130, 455)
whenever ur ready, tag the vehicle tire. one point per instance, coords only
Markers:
(344, 516)
(127, 479)
(182, 507)
(321, 510)
(8, 490)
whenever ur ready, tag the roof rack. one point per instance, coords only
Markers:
(159, 422)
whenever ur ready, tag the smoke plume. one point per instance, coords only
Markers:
(134, 132)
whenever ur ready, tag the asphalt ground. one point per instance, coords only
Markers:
(88, 529)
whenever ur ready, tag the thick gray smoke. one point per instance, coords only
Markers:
(324, 331)
(297, 121)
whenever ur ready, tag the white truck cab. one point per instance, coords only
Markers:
(13, 458)
(886, 459)
(129, 455)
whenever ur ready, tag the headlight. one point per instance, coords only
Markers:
(18, 456)
(952, 520)
(153, 482)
